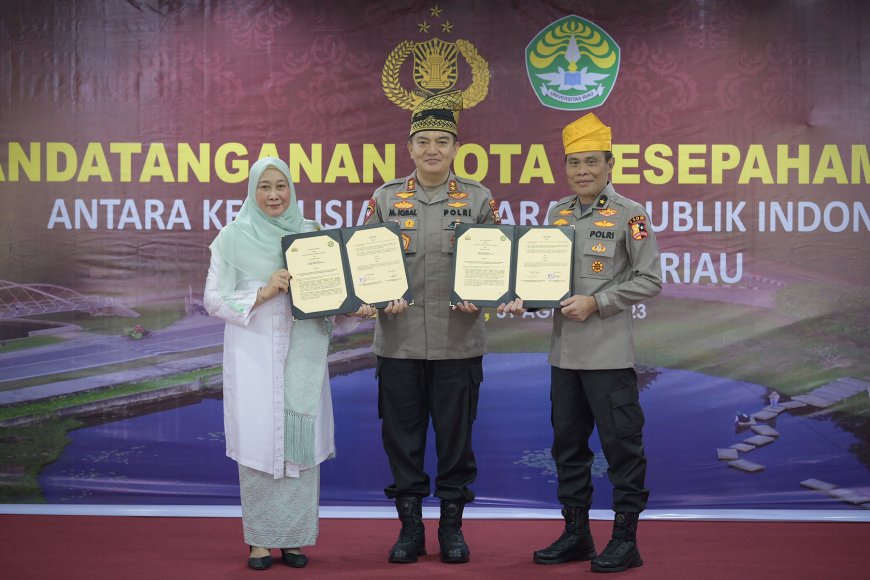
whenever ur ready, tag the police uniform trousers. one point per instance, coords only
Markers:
(409, 392)
(606, 399)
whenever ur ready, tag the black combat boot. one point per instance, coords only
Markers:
(412, 537)
(454, 550)
(621, 552)
(575, 543)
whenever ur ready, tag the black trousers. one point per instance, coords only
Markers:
(606, 399)
(409, 392)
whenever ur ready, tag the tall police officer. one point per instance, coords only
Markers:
(430, 353)
(593, 382)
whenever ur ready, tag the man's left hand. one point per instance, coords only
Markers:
(579, 307)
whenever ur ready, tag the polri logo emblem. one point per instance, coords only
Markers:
(436, 67)
(572, 64)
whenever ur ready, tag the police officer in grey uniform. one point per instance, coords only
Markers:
(430, 352)
(593, 381)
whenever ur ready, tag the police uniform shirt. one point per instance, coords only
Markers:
(430, 329)
(616, 260)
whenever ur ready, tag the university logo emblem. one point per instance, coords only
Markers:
(436, 68)
(572, 64)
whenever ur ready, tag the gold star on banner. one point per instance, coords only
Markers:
(447, 27)
(435, 12)
(424, 26)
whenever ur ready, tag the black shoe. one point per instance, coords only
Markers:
(294, 560)
(575, 543)
(262, 563)
(621, 552)
(454, 550)
(619, 555)
(411, 543)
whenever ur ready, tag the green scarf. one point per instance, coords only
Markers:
(250, 248)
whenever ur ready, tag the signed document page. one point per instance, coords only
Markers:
(376, 261)
(482, 271)
(318, 286)
(544, 263)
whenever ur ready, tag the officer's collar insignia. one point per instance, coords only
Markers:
(411, 184)
(452, 186)
(602, 201)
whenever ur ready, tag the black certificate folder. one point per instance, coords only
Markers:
(335, 271)
(497, 263)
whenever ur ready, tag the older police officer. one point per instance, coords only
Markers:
(593, 381)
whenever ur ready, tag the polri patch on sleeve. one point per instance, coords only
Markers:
(370, 210)
(495, 216)
(638, 227)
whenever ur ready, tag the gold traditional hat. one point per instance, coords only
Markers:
(437, 113)
(587, 133)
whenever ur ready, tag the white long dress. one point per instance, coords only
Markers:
(282, 513)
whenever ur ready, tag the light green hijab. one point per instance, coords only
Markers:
(250, 248)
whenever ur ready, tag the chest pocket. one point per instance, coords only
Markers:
(448, 233)
(598, 259)
(409, 234)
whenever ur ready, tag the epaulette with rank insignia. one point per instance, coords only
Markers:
(466, 181)
(390, 183)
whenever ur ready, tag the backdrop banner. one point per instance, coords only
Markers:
(128, 129)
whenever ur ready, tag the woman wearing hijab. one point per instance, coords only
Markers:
(277, 405)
